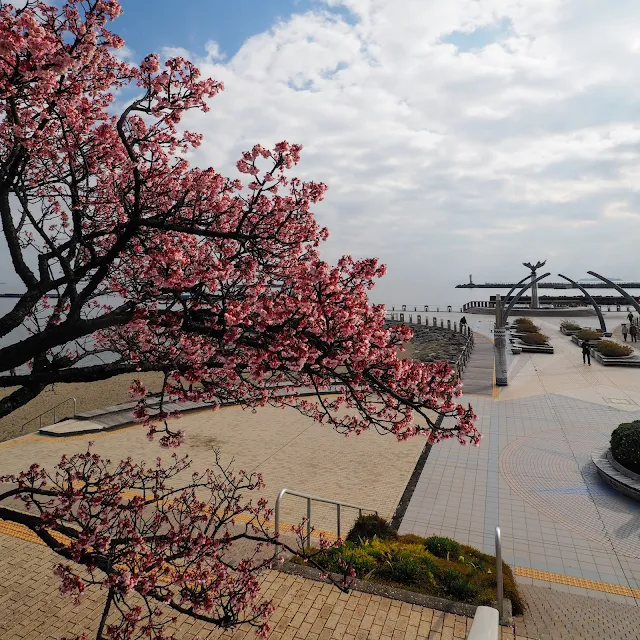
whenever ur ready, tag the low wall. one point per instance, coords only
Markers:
(540, 313)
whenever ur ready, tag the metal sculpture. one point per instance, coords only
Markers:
(505, 315)
(534, 282)
(627, 296)
(590, 299)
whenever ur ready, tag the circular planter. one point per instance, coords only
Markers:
(615, 475)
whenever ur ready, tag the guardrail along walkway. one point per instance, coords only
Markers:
(478, 374)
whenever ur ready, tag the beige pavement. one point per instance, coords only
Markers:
(288, 449)
(565, 374)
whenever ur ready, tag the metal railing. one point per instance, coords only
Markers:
(309, 498)
(44, 413)
(499, 582)
(463, 358)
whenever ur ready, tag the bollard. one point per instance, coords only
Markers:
(455, 328)
(419, 319)
(410, 319)
(449, 325)
(438, 309)
(426, 308)
(441, 323)
(404, 307)
(435, 321)
(402, 317)
(415, 308)
(449, 308)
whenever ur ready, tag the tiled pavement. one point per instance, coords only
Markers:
(32, 607)
(533, 476)
(570, 617)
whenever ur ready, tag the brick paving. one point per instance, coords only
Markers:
(32, 607)
(558, 616)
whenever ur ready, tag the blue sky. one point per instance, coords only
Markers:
(149, 25)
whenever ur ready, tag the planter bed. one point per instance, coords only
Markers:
(623, 361)
(569, 332)
(615, 475)
(533, 348)
(435, 567)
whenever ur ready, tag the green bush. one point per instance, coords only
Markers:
(625, 445)
(443, 547)
(535, 338)
(370, 525)
(457, 585)
(403, 570)
(588, 334)
(613, 349)
(567, 325)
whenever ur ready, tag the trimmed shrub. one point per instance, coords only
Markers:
(370, 525)
(625, 445)
(588, 334)
(567, 325)
(535, 338)
(443, 547)
(613, 349)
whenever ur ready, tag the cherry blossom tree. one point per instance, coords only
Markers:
(132, 260)
(154, 547)
(219, 283)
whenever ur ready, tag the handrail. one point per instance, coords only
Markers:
(463, 358)
(309, 498)
(54, 413)
(499, 583)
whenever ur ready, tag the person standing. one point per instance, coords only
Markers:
(586, 352)
(625, 331)
(463, 322)
(633, 332)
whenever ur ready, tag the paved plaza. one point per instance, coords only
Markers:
(533, 476)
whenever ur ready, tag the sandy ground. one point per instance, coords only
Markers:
(89, 395)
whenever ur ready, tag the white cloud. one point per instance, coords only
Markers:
(442, 160)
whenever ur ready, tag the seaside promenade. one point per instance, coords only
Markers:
(573, 542)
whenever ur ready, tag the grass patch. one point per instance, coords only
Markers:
(535, 338)
(525, 325)
(588, 334)
(567, 325)
(612, 349)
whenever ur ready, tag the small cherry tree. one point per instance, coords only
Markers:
(197, 549)
(213, 281)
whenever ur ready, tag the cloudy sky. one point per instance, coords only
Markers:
(456, 137)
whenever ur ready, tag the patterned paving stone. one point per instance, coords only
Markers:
(553, 615)
(31, 607)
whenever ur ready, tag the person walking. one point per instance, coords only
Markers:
(463, 322)
(625, 331)
(633, 332)
(630, 316)
(586, 352)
